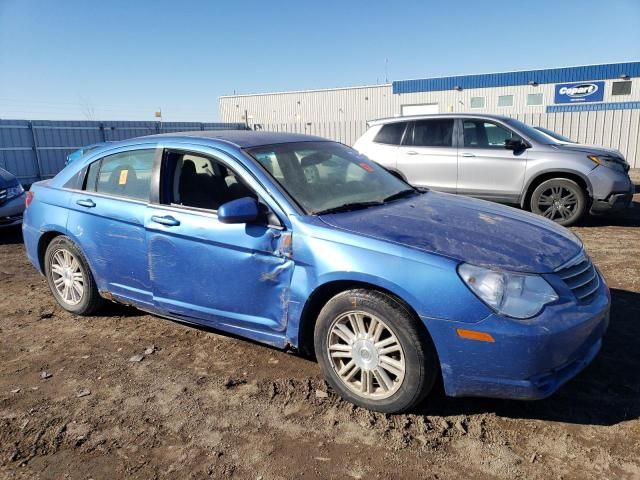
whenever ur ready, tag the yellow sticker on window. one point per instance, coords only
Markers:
(123, 177)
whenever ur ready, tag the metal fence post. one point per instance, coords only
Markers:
(36, 151)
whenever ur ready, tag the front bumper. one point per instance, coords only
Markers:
(11, 211)
(529, 359)
(612, 190)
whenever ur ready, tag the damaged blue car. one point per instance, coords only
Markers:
(303, 243)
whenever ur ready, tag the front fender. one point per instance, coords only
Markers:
(429, 284)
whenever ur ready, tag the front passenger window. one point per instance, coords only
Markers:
(202, 182)
(481, 134)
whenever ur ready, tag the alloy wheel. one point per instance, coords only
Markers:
(366, 355)
(68, 278)
(558, 203)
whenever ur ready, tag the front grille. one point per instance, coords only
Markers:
(581, 278)
(3, 195)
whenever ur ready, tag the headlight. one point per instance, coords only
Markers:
(612, 162)
(14, 191)
(513, 294)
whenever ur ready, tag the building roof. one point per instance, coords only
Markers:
(244, 138)
(526, 77)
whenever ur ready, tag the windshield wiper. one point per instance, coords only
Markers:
(401, 194)
(346, 207)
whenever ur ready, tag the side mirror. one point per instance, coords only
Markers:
(242, 210)
(515, 144)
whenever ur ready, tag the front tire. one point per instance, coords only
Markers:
(559, 199)
(70, 278)
(373, 352)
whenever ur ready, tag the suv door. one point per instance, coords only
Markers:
(486, 169)
(106, 218)
(428, 156)
(233, 276)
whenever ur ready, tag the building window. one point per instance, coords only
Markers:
(534, 99)
(505, 101)
(477, 102)
(621, 88)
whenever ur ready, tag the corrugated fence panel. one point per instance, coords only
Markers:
(37, 149)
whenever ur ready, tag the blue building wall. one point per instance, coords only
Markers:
(510, 79)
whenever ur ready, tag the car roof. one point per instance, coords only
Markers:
(242, 138)
(380, 121)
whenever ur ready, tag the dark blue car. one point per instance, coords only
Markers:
(303, 243)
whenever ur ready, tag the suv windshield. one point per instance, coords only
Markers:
(529, 131)
(556, 135)
(324, 177)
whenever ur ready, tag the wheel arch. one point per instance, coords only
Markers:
(323, 293)
(545, 175)
(43, 242)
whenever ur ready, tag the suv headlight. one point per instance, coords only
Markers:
(14, 191)
(612, 162)
(516, 295)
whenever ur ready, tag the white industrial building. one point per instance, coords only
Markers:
(594, 104)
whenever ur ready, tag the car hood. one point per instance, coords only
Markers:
(588, 149)
(7, 179)
(466, 229)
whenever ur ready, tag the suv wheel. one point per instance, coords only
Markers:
(373, 353)
(559, 199)
(70, 278)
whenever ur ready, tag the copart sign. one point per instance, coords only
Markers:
(579, 92)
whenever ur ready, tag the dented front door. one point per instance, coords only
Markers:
(230, 275)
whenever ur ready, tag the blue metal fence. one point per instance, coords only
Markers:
(37, 149)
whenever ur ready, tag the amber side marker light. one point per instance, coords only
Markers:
(473, 335)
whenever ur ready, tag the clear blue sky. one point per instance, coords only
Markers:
(122, 59)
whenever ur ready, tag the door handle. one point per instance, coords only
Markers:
(169, 221)
(86, 203)
(468, 155)
(412, 152)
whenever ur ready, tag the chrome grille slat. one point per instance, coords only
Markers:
(581, 278)
(575, 270)
(591, 291)
(584, 278)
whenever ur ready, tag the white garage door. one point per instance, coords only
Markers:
(422, 109)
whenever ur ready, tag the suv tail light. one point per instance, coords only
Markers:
(28, 199)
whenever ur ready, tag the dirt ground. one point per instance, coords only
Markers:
(204, 405)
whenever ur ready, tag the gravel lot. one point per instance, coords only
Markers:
(200, 404)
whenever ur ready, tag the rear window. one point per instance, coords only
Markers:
(391, 133)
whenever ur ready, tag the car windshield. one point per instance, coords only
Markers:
(325, 177)
(530, 132)
(555, 135)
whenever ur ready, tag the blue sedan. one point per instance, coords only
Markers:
(303, 243)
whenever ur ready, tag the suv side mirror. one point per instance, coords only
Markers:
(242, 210)
(515, 144)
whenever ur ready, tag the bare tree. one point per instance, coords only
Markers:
(87, 108)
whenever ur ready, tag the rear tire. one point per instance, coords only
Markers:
(559, 199)
(69, 277)
(373, 352)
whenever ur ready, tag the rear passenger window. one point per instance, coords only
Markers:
(391, 133)
(92, 177)
(125, 174)
(433, 133)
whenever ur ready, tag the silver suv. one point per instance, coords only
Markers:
(500, 159)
